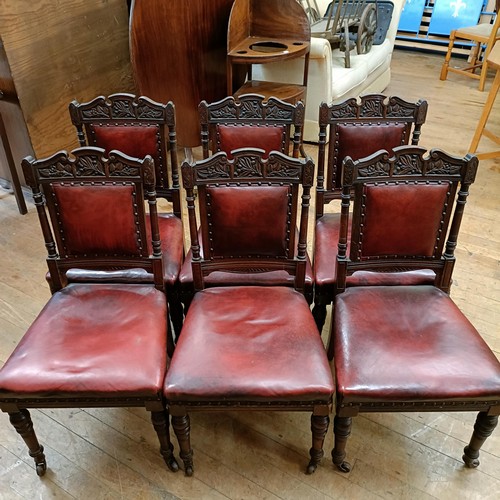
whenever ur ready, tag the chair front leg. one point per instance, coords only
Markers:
(160, 420)
(21, 420)
(319, 428)
(182, 429)
(484, 426)
(342, 430)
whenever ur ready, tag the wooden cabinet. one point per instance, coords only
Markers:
(266, 31)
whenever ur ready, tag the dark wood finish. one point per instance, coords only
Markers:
(411, 337)
(373, 110)
(356, 129)
(120, 112)
(139, 126)
(265, 32)
(79, 376)
(251, 110)
(249, 326)
(178, 52)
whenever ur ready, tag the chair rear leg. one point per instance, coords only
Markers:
(484, 426)
(21, 420)
(319, 428)
(182, 429)
(160, 420)
(319, 311)
(342, 430)
(176, 311)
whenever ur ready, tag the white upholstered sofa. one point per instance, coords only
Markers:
(329, 80)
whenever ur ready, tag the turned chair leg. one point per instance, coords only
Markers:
(342, 430)
(160, 420)
(21, 420)
(182, 428)
(484, 426)
(319, 428)
(446, 64)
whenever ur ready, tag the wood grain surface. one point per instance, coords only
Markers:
(59, 51)
(178, 52)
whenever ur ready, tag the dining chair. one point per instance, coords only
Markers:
(251, 121)
(483, 37)
(356, 129)
(249, 346)
(407, 348)
(139, 126)
(95, 343)
(248, 121)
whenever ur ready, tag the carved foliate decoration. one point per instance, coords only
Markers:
(122, 109)
(439, 165)
(277, 167)
(145, 112)
(215, 169)
(347, 110)
(408, 164)
(100, 111)
(248, 166)
(399, 110)
(89, 165)
(250, 109)
(372, 108)
(380, 168)
(58, 169)
(278, 113)
(227, 111)
(118, 168)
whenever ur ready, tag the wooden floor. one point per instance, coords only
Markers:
(113, 453)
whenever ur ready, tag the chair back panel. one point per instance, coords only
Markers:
(96, 214)
(406, 212)
(359, 130)
(84, 230)
(266, 137)
(359, 140)
(248, 220)
(138, 126)
(411, 233)
(270, 125)
(137, 141)
(248, 211)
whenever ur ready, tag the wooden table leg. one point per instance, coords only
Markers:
(16, 185)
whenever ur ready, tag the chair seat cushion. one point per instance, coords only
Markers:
(407, 344)
(92, 341)
(325, 255)
(249, 344)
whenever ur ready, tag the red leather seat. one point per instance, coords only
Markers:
(237, 344)
(407, 347)
(428, 350)
(87, 340)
